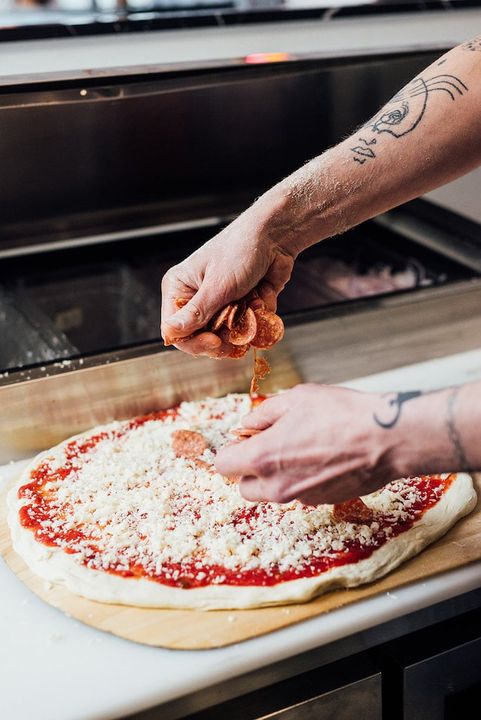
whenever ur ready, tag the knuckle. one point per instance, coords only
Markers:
(168, 278)
(265, 465)
(198, 312)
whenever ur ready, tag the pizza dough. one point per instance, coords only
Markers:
(134, 513)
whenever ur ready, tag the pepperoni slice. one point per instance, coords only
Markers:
(220, 318)
(228, 350)
(239, 325)
(261, 370)
(188, 443)
(270, 329)
(244, 329)
(353, 511)
(237, 351)
(229, 321)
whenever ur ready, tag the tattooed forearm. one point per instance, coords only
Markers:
(454, 436)
(403, 113)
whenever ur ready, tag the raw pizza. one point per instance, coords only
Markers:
(135, 513)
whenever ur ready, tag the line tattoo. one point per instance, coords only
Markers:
(403, 113)
(454, 436)
(363, 152)
(396, 403)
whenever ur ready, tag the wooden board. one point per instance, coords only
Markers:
(188, 629)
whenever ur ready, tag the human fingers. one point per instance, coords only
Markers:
(280, 490)
(173, 287)
(205, 343)
(259, 489)
(267, 412)
(275, 279)
(267, 293)
(192, 316)
(210, 345)
(344, 481)
(256, 456)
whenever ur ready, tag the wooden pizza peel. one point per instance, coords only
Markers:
(194, 630)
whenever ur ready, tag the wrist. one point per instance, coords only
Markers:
(463, 420)
(415, 433)
(308, 206)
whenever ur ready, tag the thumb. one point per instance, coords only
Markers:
(267, 413)
(196, 313)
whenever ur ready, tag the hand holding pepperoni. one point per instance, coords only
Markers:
(322, 445)
(226, 269)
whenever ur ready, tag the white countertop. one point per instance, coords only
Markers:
(55, 668)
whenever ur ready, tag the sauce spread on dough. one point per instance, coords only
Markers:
(43, 516)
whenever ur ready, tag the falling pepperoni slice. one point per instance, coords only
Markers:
(188, 443)
(353, 511)
(261, 370)
(270, 329)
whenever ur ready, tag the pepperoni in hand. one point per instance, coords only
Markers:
(239, 326)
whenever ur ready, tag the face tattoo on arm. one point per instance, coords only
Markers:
(403, 113)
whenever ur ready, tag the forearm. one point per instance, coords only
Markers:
(432, 432)
(427, 135)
